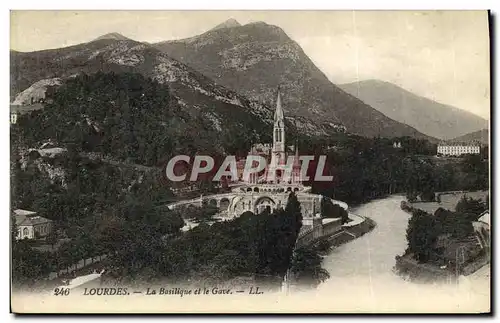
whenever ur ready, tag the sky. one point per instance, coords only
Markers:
(441, 55)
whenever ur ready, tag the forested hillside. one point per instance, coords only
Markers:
(133, 118)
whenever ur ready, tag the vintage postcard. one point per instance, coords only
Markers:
(250, 162)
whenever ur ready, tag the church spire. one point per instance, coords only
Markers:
(279, 150)
(278, 113)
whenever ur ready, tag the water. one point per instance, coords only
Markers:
(362, 278)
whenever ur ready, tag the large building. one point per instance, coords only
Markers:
(281, 165)
(270, 188)
(458, 149)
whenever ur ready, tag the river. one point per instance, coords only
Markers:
(362, 278)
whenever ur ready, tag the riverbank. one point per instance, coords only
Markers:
(448, 200)
(457, 256)
(410, 269)
(347, 234)
(362, 277)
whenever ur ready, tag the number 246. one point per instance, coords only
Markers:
(61, 291)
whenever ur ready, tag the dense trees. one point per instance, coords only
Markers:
(98, 208)
(260, 246)
(422, 234)
(424, 229)
(306, 267)
(135, 119)
(28, 265)
(143, 242)
(473, 207)
(367, 168)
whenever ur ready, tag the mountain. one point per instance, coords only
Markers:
(427, 116)
(217, 114)
(481, 136)
(114, 36)
(254, 59)
(227, 24)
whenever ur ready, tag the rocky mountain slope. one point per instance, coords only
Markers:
(36, 91)
(115, 53)
(255, 58)
(481, 136)
(427, 116)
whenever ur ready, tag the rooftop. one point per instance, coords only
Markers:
(23, 212)
(455, 144)
(484, 217)
(24, 217)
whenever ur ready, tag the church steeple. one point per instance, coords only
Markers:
(278, 113)
(279, 129)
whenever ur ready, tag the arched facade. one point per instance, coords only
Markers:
(255, 198)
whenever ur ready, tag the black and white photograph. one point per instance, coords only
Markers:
(250, 161)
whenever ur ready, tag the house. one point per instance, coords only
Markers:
(31, 226)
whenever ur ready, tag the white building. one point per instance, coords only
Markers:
(30, 225)
(447, 149)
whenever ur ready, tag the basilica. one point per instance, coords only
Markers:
(282, 167)
(269, 189)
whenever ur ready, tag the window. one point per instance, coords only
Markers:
(25, 232)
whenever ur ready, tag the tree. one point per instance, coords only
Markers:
(422, 234)
(428, 196)
(293, 210)
(53, 237)
(411, 196)
(66, 255)
(326, 207)
(470, 206)
(306, 267)
(332, 210)
(14, 229)
(29, 265)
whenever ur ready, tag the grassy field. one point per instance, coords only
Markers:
(449, 201)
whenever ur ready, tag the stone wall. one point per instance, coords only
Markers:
(318, 231)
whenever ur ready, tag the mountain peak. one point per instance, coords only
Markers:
(114, 36)
(230, 23)
(426, 115)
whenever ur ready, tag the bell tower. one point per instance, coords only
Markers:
(279, 147)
